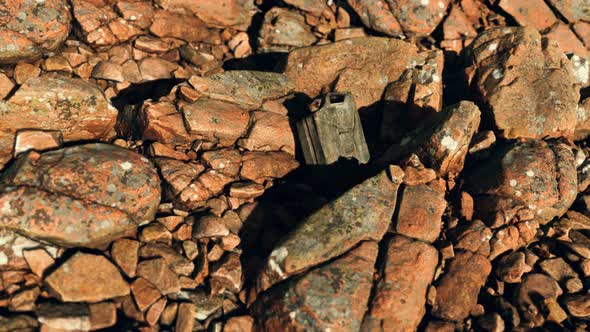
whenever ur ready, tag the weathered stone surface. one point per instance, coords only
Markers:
(31, 28)
(336, 294)
(163, 123)
(511, 267)
(354, 65)
(523, 181)
(572, 10)
(102, 315)
(362, 213)
(235, 14)
(459, 287)
(259, 166)
(269, 132)
(78, 109)
(247, 88)
(283, 30)
(156, 271)
(534, 13)
(64, 316)
(86, 278)
(86, 195)
(377, 16)
(526, 82)
(583, 120)
(475, 237)
(578, 305)
(442, 146)
(36, 140)
(535, 287)
(400, 296)
(226, 161)
(171, 24)
(215, 120)
(419, 213)
(418, 18)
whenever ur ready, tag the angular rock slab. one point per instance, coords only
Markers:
(235, 14)
(76, 108)
(86, 278)
(85, 195)
(362, 213)
(29, 29)
(442, 145)
(526, 82)
(354, 65)
(458, 289)
(523, 181)
(400, 295)
(331, 297)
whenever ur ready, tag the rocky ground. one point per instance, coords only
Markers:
(151, 177)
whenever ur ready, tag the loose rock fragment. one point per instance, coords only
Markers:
(283, 30)
(362, 213)
(419, 213)
(400, 295)
(523, 181)
(336, 293)
(86, 278)
(526, 83)
(459, 287)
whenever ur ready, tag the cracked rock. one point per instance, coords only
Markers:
(84, 195)
(523, 181)
(526, 83)
(362, 213)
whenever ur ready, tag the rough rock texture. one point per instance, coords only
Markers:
(419, 213)
(86, 277)
(356, 66)
(77, 109)
(83, 195)
(458, 288)
(523, 181)
(362, 213)
(284, 30)
(29, 29)
(301, 303)
(400, 295)
(526, 83)
(225, 13)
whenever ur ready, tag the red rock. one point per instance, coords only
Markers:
(283, 30)
(170, 24)
(153, 314)
(177, 174)
(363, 213)
(336, 292)
(419, 18)
(125, 253)
(558, 269)
(175, 261)
(235, 14)
(38, 260)
(246, 190)
(459, 287)
(504, 239)
(512, 267)
(156, 271)
(144, 293)
(475, 237)
(259, 166)
(156, 69)
(23, 71)
(515, 65)
(537, 181)
(6, 86)
(213, 120)
(155, 232)
(107, 70)
(163, 123)
(352, 66)
(32, 28)
(36, 140)
(185, 319)
(78, 109)
(102, 315)
(227, 275)
(56, 63)
(24, 300)
(457, 25)
(76, 197)
(534, 288)
(567, 40)
(123, 30)
(226, 161)
(419, 213)
(86, 277)
(578, 305)
(214, 181)
(239, 324)
(269, 131)
(210, 226)
(533, 13)
(377, 16)
(400, 294)
(572, 10)
(140, 13)
(583, 123)
(64, 316)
